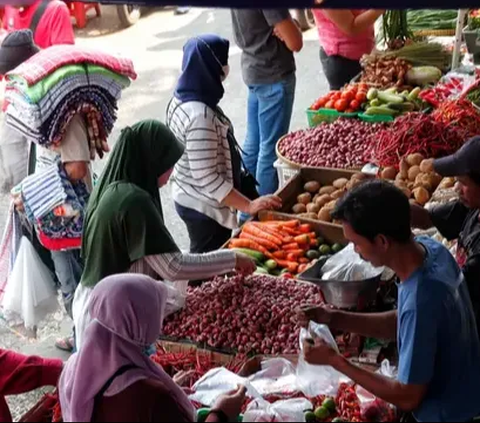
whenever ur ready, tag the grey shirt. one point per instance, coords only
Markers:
(265, 59)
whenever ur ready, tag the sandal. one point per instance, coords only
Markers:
(65, 344)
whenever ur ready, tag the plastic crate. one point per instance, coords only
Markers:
(375, 118)
(316, 117)
(285, 172)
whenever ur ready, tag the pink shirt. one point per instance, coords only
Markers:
(336, 43)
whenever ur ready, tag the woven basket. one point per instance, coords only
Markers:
(434, 33)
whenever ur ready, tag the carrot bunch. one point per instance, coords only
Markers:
(287, 243)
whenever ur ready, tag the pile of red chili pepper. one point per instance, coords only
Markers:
(437, 135)
(441, 92)
(348, 405)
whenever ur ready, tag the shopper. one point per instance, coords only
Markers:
(207, 187)
(74, 152)
(125, 230)
(345, 36)
(49, 20)
(460, 219)
(439, 352)
(268, 39)
(20, 374)
(112, 378)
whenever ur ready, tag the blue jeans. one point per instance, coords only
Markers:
(270, 109)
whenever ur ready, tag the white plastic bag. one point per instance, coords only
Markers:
(348, 266)
(13, 158)
(219, 382)
(278, 376)
(177, 297)
(281, 411)
(30, 295)
(317, 380)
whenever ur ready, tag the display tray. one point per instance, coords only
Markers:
(294, 187)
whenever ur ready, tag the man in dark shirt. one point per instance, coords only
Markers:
(268, 38)
(460, 219)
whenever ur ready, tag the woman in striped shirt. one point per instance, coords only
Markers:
(124, 229)
(207, 179)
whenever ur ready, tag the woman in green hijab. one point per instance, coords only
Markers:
(124, 229)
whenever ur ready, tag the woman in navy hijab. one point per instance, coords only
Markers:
(209, 183)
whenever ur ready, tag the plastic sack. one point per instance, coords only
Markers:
(375, 409)
(30, 295)
(219, 382)
(348, 266)
(177, 297)
(292, 410)
(13, 158)
(278, 376)
(317, 380)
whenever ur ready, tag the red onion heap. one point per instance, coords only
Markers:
(254, 315)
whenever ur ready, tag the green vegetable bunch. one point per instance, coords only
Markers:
(474, 20)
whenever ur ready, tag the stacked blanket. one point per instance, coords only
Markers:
(44, 93)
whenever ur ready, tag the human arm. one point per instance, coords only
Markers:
(407, 397)
(60, 25)
(229, 405)
(20, 374)
(178, 266)
(449, 219)
(374, 325)
(285, 28)
(75, 149)
(237, 201)
(350, 24)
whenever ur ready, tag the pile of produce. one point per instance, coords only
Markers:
(415, 178)
(317, 202)
(474, 20)
(473, 95)
(283, 248)
(442, 91)
(254, 315)
(392, 103)
(343, 144)
(437, 135)
(348, 100)
(431, 20)
(395, 29)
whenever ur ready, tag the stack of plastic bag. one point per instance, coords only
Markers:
(44, 93)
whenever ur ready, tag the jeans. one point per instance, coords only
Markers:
(339, 70)
(69, 269)
(270, 108)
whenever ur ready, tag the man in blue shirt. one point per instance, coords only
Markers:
(439, 351)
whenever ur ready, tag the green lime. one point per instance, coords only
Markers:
(338, 420)
(310, 417)
(202, 415)
(330, 405)
(322, 413)
(337, 248)
(325, 250)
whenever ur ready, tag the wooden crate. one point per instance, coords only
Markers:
(41, 412)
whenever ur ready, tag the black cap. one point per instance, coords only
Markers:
(16, 48)
(464, 162)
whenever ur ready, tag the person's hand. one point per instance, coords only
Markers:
(278, 35)
(18, 202)
(268, 202)
(245, 264)
(320, 353)
(182, 377)
(231, 404)
(308, 313)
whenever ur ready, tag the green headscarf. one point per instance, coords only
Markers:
(124, 220)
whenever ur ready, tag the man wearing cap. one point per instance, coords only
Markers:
(74, 153)
(49, 20)
(460, 219)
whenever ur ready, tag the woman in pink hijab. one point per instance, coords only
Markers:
(111, 378)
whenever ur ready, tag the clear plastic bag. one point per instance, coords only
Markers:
(278, 376)
(373, 408)
(317, 380)
(219, 382)
(30, 295)
(177, 297)
(292, 410)
(348, 266)
(13, 158)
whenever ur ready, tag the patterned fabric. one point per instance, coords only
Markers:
(5, 251)
(53, 58)
(64, 221)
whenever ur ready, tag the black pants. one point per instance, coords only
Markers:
(206, 235)
(339, 70)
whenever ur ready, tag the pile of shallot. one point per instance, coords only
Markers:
(343, 144)
(250, 315)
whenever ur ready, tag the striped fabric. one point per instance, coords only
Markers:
(44, 191)
(203, 177)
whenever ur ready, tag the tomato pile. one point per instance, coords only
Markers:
(348, 100)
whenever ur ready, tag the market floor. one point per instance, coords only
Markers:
(155, 45)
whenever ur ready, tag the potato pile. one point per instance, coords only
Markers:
(317, 202)
(416, 178)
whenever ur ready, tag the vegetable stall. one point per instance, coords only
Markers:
(406, 107)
